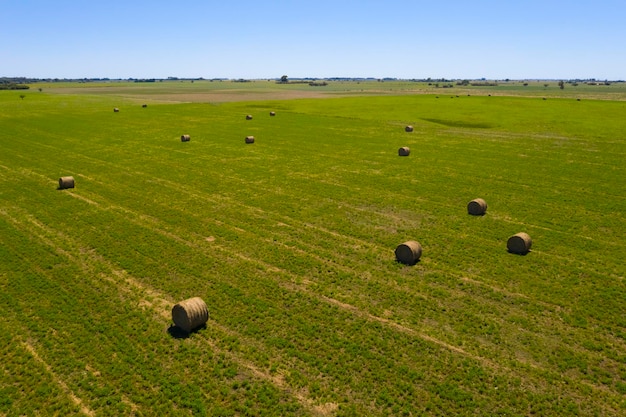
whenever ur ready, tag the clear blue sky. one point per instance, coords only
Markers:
(326, 38)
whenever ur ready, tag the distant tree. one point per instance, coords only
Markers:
(22, 96)
(284, 79)
(546, 85)
(561, 84)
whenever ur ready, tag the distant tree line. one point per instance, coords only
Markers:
(13, 84)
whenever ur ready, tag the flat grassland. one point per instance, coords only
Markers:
(290, 241)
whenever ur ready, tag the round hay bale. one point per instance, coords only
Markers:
(185, 138)
(404, 151)
(409, 252)
(272, 113)
(190, 314)
(249, 139)
(477, 207)
(408, 128)
(519, 243)
(249, 117)
(66, 182)
(116, 110)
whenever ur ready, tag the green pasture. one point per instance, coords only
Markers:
(290, 241)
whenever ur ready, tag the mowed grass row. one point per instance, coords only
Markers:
(290, 241)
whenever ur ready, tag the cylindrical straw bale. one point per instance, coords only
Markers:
(519, 243)
(190, 314)
(249, 139)
(249, 117)
(116, 110)
(272, 113)
(66, 182)
(185, 138)
(477, 207)
(409, 252)
(404, 151)
(408, 128)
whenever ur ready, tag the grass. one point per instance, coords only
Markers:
(290, 242)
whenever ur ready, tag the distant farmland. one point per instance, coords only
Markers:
(290, 242)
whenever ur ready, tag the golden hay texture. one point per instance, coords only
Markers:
(519, 243)
(185, 138)
(409, 128)
(477, 207)
(404, 151)
(249, 117)
(409, 252)
(66, 182)
(249, 139)
(190, 314)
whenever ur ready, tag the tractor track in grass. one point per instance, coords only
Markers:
(136, 286)
(292, 284)
(57, 379)
(381, 251)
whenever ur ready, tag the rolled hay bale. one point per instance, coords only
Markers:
(66, 182)
(272, 113)
(190, 314)
(519, 243)
(477, 207)
(116, 110)
(249, 139)
(408, 128)
(409, 252)
(404, 151)
(249, 117)
(185, 138)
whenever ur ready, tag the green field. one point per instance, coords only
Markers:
(290, 241)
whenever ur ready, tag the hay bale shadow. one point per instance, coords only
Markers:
(411, 263)
(518, 253)
(178, 333)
